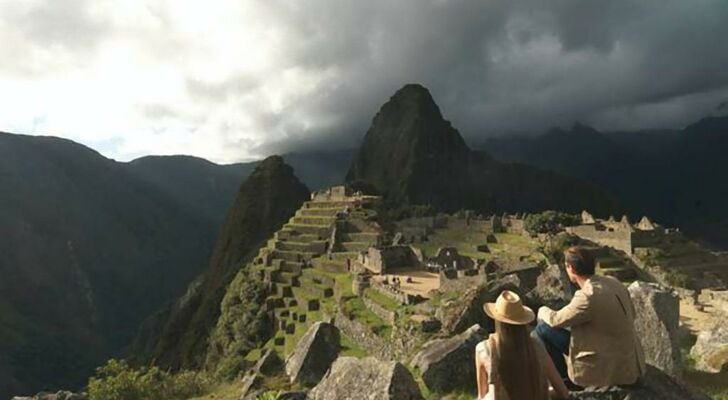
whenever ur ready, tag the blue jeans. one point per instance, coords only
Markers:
(556, 341)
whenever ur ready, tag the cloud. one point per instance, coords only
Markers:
(239, 80)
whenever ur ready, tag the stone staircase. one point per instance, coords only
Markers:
(285, 263)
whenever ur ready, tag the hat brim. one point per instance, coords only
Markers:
(526, 318)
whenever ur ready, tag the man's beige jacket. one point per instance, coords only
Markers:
(604, 348)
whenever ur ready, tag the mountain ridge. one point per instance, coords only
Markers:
(412, 154)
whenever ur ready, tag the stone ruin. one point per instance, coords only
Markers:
(621, 235)
(387, 259)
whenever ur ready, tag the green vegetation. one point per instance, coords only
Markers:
(549, 221)
(382, 299)
(270, 395)
(677, 278)
(351, 349)
(118, 381)
(243, 325)
(355, 309)
(464, 239)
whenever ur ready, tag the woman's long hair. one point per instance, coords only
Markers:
(519, 368)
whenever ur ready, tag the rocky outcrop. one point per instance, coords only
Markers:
(467, 311)
(60, 395)
(711, 349)
(251, 386)
(269, 363)
(314, 354)
(366, 379)
(656, 385)
(656, 323)
(552, 289)
(449, 364)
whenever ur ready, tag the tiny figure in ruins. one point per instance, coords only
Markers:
(592, 340)
(511, 364)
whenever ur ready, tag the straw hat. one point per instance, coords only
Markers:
(508, 308)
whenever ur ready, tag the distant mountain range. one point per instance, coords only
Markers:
(676, 177)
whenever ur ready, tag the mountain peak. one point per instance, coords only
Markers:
(408, 135)
(414, 98)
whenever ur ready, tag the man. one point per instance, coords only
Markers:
(601, 346)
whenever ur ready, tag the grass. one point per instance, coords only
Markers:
(382, 299)
(225, 391)
(351, 349)
(465, 241)
(355, 309)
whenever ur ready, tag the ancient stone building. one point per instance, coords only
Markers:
(449, 258)
(390, 258)
(620, 235)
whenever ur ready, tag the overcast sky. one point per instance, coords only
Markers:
(236, 80)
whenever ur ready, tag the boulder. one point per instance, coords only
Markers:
(314, 354)
(656, 385)
(269, 363)
(711, 349)
(657, 323)
(251, 386)
(366, 379)
(553, 289)
(467, 311)
(449, 364)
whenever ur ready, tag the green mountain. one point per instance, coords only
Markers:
(413, 155)
(200, 185)
(177, 337)
(90, 247)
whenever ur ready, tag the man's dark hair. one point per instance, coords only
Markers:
(581, 259)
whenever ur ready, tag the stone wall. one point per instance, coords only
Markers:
(364, 337)
(460, 283)
(381, 261)
(617, 239)
(718, 299)
(381, 312)
(395, 294)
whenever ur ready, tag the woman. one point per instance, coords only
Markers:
(511, 365)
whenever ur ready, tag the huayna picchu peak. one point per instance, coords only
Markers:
(412, 154)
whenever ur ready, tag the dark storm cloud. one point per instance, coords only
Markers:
(235, 80)
(502, 66)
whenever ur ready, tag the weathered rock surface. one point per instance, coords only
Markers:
(269, 363)
(314, 354)
(468, 310)
(60, 395)
(711, 348)
(656, 385)
(366, 379)
(552, 289)
(657, 323)
(449, 364)
(251, 386)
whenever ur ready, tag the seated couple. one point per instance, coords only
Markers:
(590, 342)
